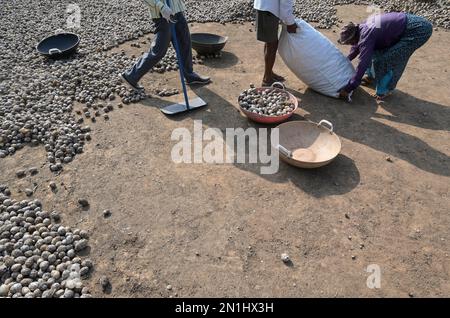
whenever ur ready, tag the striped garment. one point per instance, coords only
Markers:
(389, 64)
(156, 5)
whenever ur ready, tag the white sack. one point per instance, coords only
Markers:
(315, 60)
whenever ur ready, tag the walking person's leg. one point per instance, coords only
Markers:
(148, 60)
(184, 40)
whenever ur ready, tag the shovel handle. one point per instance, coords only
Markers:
(176, 44)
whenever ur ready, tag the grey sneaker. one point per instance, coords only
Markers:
(130, 83)
(198, 79)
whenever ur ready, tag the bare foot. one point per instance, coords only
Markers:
(381, 98)
(268, 82)
(278, 78)
(367, 81)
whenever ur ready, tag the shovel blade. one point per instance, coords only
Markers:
(181, 107)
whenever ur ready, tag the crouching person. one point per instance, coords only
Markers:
(163, 14)
(384, 44)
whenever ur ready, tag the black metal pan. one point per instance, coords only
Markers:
(59, 45)
(207, 43)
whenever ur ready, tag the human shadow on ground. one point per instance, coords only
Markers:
(357, 121)
(227, 60)
(339, 177)
(407, 109)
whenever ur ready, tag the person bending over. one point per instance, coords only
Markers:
(384, 44)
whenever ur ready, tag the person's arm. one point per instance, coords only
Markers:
(287, 12)
(353, 52)
(366, 48)
(155, 3)
(160, 6)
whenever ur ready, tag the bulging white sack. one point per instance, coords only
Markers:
(315, 60)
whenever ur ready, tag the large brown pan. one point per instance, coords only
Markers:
(308, 145)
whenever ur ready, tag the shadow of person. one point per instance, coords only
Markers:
(407, 109)
(227, 60)
(218, 113)
(357, 122)
(339, 177)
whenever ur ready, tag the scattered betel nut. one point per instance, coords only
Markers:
(105, 283)
(20, 173)
(285, 258)
(37, 255)
(55, 216)
(106, 213)
(83, 202)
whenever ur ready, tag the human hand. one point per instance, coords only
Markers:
(167, 14)
(292, 28)
(343, 94)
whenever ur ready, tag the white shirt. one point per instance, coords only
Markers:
(283, 9)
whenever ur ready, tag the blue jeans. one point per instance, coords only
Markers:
(159, 49)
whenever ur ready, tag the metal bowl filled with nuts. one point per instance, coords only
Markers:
(268, 105)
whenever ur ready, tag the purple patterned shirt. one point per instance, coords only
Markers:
(389, 31)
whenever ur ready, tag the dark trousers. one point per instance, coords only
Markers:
(161, 44)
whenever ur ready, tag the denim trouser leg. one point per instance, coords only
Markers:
(184, 39)
(155, 54)
(159, 49)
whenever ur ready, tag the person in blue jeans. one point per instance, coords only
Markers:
(162, 15)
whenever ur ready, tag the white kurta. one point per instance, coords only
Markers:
(283, 9)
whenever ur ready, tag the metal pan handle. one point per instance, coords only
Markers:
(330, 125)
(54, 51)
(279, 84)
(284, 151)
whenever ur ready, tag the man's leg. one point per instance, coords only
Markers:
(270, 54)
(267, 32)
(155, 54)
(184, 39)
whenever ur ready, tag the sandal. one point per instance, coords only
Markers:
(278, 78)
(268, 84)
(381, 98)
(367, 81)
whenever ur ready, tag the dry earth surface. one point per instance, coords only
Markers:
(219, 230)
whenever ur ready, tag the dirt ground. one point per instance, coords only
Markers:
(219, 230)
